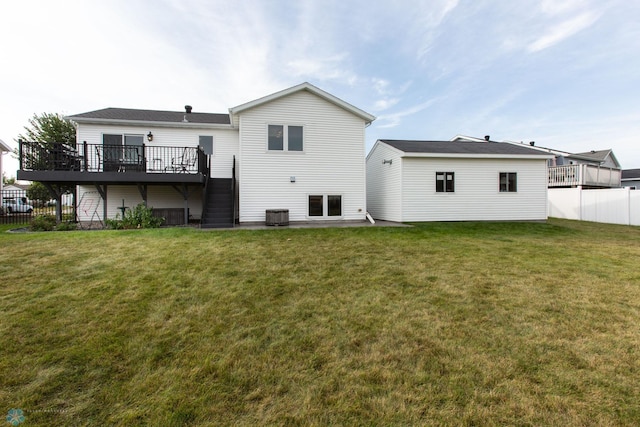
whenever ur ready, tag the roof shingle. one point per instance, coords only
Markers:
(631, 174)
(462, 147)
(153, 116)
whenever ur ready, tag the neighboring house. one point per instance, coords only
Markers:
(631, 178)
(456, 181)
(4, 148)
(15, 187)
(300, 149)
(591, 169)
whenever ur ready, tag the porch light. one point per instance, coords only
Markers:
(149, 136)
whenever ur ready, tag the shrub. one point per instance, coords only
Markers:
(66, 226)
(140, 216)
(43, 223)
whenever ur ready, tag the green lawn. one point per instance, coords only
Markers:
(440, 324)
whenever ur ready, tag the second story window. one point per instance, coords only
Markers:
(285, 138)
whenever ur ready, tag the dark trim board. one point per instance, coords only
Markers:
(122, 178)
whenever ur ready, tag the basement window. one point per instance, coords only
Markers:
(325, 205)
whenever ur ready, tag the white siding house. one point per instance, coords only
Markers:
(300, 149)
(327, 165)
(412, 181)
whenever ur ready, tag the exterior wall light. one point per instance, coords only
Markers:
(149, 136)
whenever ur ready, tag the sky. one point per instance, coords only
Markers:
(565, 74)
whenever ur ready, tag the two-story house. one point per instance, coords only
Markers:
(300, 150)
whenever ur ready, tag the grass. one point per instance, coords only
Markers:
(440, 324)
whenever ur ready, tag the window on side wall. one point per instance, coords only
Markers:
(285, 138)
(316, 205)
(325, 205)
(206, 144)
(508, 182)
(445, 182)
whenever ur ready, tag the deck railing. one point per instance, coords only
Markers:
(584, 175)
(36, 156)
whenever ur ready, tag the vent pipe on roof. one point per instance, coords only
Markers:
(487, 138)
(532, 143)
(188, 108)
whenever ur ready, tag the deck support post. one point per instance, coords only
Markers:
(142, 189)
(56, 192)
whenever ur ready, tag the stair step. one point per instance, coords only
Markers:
(218, 206)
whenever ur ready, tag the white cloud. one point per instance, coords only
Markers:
(555, 7)
(563, 30)
(384, 104)
(380, 85)
(427, 19)
(394, 119)
(330, 68)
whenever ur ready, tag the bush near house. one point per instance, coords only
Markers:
(48, 223)
(140, 216)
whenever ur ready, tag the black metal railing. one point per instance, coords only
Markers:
(36, 156)
(48, 156)
(234, 187)
(16, 208)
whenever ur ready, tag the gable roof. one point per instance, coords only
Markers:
(368, 118)
(463, 148)
(4, 146)
(127, 115)
(16, 187)
(630, 174)
(599, 156)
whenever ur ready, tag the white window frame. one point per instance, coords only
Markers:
(508, 189)
(325, 206)
(445, 175)
(285, 138)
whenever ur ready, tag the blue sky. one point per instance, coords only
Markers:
(565, 74)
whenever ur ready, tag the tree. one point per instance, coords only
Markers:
(48, 128)
(46, 131)
(43, 133)
(8, 180)
(37, 191)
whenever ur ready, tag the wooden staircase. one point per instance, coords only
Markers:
(218, 206)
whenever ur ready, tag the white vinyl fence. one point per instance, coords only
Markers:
(611, 205)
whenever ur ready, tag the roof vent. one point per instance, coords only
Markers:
(188, 108)
(532, 143)
(487, 138)
(593, 151)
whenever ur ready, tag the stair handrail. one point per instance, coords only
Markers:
(205, 192)
(233, 193)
